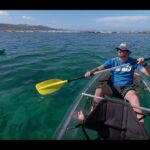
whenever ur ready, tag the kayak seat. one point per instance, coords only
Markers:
(115, 121)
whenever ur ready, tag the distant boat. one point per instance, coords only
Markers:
(2, 51)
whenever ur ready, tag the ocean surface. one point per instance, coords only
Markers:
(34, 57)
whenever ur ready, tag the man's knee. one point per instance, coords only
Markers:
(131, 95)
(99, 91)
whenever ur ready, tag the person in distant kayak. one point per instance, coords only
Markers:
(121, 81)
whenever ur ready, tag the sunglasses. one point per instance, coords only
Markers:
(123, 51)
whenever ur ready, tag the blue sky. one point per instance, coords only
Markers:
(106, 20)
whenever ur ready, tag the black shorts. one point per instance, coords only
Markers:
(121, 91)
(118, 91)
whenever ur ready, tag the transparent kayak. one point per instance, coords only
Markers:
(69, 130)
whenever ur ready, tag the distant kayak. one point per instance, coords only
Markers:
(2, 51)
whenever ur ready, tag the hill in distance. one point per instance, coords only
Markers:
(26, 27)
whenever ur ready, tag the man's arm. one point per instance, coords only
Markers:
(89, 73)
(146, 69)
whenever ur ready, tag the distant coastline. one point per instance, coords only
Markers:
(27, 28)
(40, 28)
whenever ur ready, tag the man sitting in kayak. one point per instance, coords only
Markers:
(121, 81)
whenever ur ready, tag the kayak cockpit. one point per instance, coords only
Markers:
(125, 126)
(115, 120)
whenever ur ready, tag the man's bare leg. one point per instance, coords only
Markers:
(132, 97)
(100, 92)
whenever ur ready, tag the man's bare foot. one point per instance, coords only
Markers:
(81, 116)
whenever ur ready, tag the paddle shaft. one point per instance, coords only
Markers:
(109, 69)
(76, 79)
(113, 68)
(146, 59)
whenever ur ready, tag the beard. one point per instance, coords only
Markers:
(122, 55)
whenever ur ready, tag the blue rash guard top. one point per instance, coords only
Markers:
(122, 76)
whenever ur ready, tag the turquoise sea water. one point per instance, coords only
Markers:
(34, 57)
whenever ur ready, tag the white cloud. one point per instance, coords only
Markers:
(26, 17)
(5, 17)
(122, 19)
(3, 13)
(124, 22)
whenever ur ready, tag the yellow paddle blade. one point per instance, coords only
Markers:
(50, 86)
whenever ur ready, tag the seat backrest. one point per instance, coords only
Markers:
(115, 121)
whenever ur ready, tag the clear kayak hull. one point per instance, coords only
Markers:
(68, 129)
